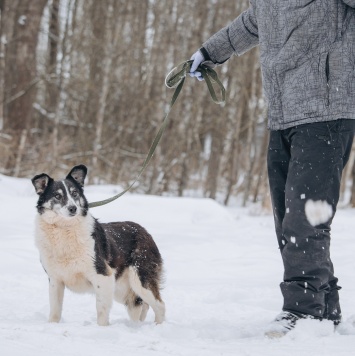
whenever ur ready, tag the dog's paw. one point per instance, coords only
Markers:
(105, 323)
(54, 319)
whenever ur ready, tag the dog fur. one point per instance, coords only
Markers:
(116, 261)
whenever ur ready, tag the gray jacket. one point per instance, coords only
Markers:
(307, 55)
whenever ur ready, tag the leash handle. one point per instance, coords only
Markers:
(175, 79)
(209, 75)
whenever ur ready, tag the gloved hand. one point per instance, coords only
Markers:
(197, 58)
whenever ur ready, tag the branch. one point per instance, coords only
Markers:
(22, 92)
(51, 116)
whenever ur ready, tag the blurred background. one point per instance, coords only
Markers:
(82, 81)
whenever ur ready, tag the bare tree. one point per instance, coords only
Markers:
(92, 91)
(21, 27)
(2, 63)
(20, 23)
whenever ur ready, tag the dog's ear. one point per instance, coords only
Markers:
(78, 173)
(40, 182)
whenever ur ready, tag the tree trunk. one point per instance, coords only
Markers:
(20, 23)
(53, 42)
(21, 28)
(213, 166)
(2, 64)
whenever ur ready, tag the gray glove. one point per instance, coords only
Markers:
(200, 57)
(197, 58)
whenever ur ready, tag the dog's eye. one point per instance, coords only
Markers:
(74, 193)
(58, 196)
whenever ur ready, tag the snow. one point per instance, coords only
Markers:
(22, 20)
(318, 212)
(222, 270)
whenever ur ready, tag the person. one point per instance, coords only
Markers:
(307, 56)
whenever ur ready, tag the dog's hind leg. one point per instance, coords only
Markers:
(104, 289)
(147, 295)
(125, 295)
(137, 309)
(134, 306)
(56, 295)
(145, 308)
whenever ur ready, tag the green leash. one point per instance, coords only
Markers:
(175, 79)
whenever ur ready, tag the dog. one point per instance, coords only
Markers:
(117, 261)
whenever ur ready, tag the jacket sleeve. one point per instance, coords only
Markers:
(238, 37)
(350, 2)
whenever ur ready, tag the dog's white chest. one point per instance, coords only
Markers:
(67, 254)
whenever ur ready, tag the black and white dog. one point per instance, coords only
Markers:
(117, 260)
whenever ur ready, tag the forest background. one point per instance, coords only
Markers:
(82, 81)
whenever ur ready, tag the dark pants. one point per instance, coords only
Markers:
(306, 163)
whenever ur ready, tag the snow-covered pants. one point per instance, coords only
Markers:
(305, 165)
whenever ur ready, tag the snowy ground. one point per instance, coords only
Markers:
(222, 272)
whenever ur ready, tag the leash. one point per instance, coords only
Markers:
(175, 79)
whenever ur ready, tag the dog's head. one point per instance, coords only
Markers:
(61, 200)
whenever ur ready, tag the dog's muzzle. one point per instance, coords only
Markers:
(72, 210)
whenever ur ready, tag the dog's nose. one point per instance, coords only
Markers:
(72, 209)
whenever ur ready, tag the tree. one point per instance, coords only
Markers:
(90, 89)
(20, 23)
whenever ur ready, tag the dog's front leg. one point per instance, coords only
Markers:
(56, 294)
(104, 289)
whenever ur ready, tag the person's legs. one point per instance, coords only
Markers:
(277, 163)
(305, 163)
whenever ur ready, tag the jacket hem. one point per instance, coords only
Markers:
(275, 125)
